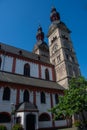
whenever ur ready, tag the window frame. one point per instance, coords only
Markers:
(26, 96)
(43, 98)
(27, 70)
(44, 117)
(6, 94)
(47, 76)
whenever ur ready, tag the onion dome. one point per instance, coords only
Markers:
(40, 34)
(54, 16)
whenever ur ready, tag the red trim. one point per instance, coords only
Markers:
(34, 97)
(21, 57)
(39, 71)
(32, 88)
(51, 102)
(17, 96)
(14, 65)
(53, 74)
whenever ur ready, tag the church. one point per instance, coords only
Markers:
(31, 82)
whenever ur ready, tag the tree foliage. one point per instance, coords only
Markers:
(17, 127)
(74, 100)
(3, 127)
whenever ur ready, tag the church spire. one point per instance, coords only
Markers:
(40, 34)
(54, 16)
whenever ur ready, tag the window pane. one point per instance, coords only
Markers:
(46, 74)
(27, 70)
(56, 99)
(43, 97)
(26, 96)
(6, 94)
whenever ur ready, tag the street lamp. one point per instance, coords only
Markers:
(12, 114)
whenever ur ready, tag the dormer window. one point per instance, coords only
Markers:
(20, 52)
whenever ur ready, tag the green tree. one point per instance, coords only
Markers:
(3, 127)
(17, 127)
(74, 100)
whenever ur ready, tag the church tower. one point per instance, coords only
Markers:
(61, 50)
(41, 48)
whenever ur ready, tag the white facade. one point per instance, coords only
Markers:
(30, 81)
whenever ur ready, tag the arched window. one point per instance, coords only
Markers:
(42, 97)
(27, 70)
(0, 62)
(5, 117)
(6, 94)
(46, 74)
(56, 99)
(44, 117)
(26, 96)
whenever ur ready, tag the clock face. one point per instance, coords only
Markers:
(55, 47)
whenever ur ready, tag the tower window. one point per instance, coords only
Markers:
(73, 60)
(58, 58)
(42, 97)
(46, 74)
(6, 94)
(0, 62)
(54, 38)
(54, 62)
(75, 72)
(27, 70)
(70, 70)
(26, 96)
(67, 56)
(65, 37)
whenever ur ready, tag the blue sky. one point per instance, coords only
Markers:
(19, 20)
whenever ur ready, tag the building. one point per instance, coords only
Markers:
(31, 82)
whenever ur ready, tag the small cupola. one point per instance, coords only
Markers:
(40, 34)
(41, 48)
(54, 16)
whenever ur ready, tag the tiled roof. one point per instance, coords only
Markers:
(27, 54)
(20, 79)
(27, 106)
(55, 25)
